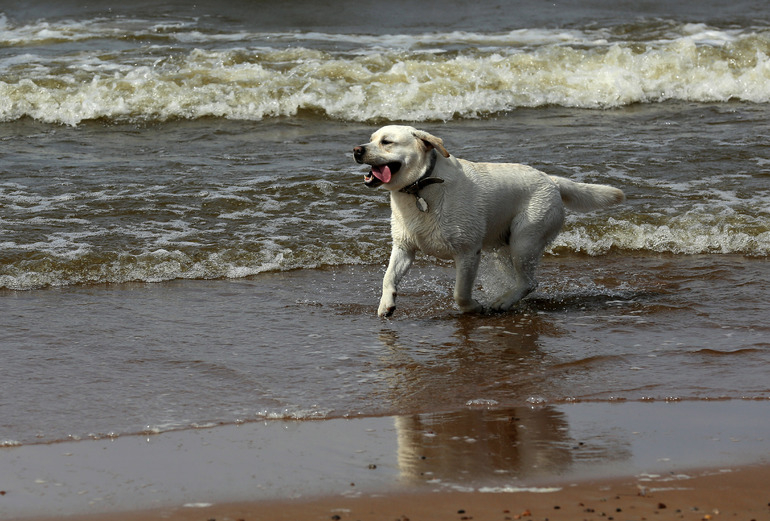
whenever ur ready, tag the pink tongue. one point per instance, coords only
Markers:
(382, 173)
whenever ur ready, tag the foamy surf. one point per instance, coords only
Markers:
(691, 233)
(154, 215)
(78, 265)
(187, 73)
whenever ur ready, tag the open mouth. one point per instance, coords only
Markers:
(381, 174)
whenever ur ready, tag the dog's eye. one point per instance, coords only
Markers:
(386, 142)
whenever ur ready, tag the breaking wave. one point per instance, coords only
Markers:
(160, 72)
(46, 266)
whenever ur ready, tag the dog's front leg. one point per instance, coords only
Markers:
(400, 261)
(467, 266)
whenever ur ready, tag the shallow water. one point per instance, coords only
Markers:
(186, 240)
(103, 360)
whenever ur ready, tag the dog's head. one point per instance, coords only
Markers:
(398, 156)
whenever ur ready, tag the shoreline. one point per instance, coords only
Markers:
(725, 493)
(485, 460)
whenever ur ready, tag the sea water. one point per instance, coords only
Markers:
(185, 239)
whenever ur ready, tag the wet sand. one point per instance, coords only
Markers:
(718, 494)
(587, 459)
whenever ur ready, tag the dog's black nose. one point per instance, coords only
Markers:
(358, 153)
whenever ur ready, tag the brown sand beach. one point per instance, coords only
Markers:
(735, 494)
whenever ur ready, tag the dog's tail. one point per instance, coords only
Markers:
(585, 197)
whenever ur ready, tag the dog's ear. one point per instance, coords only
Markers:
(431, 141)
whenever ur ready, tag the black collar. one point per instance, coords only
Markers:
(424, 180)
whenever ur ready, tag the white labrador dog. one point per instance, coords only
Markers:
(453, 209)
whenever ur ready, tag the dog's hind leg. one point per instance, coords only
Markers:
(525, 283)
(467, 266)
(527, 244)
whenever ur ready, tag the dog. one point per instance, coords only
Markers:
(454, 209)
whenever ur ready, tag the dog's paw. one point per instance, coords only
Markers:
(494, 308)
(387, 307)
(510, 299)
(500, 305)
(470, 307)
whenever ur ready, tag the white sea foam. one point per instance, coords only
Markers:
(509, 489)
(293, 413)
(436, 76)
(688, 233)
(482, 402)
(77, 257)
(188, 30)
